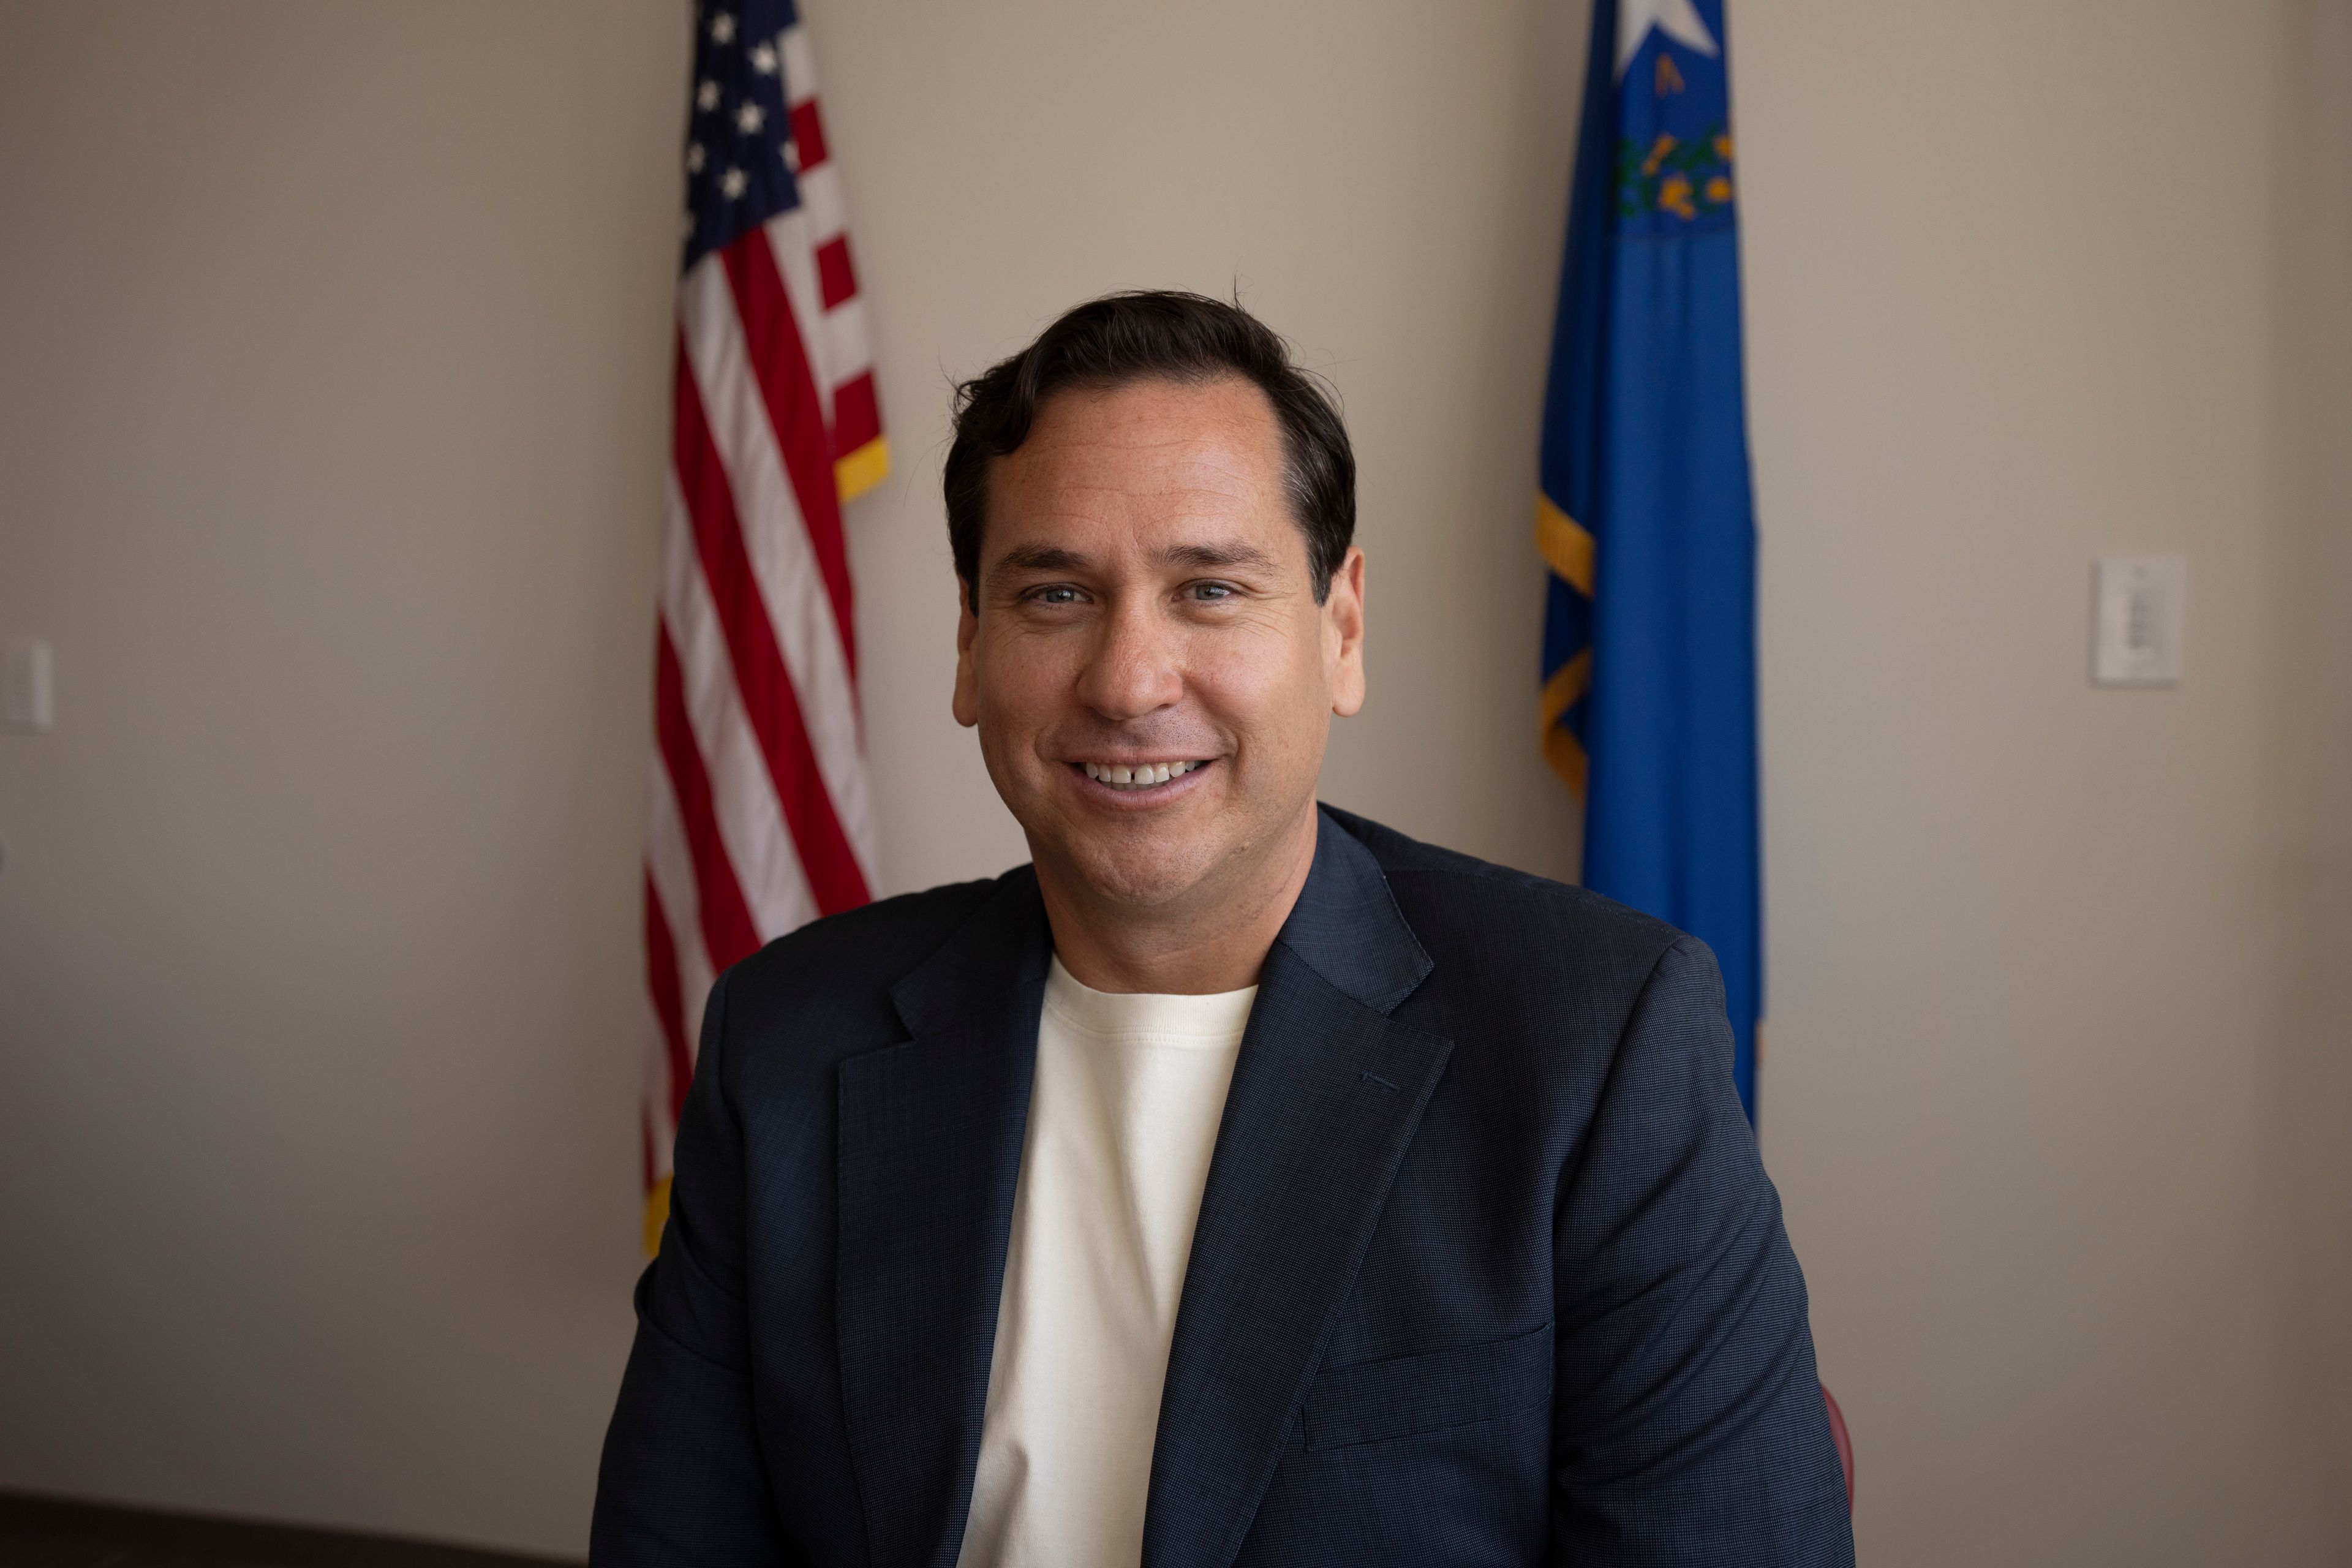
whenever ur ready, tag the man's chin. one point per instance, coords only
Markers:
(1196, 849)
(1136, 864)
(1119, 875)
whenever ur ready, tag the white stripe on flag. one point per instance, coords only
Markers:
(844, 338)
(796, 262)
(775, 536)
(743, 793)
(669, 864)
(799, 67)
(820, 200)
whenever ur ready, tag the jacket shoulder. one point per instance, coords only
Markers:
(1448, 875)
(852, 959)
(1508, 943)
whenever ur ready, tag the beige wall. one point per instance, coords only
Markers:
(331, 358)
(2314, 740)
(331, 354)
(2015, 275)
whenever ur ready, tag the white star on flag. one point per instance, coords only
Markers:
(731, 184)
(1677, 19)
(706, 97)
(763, 60)
(722, 29)
(694, 158)
(750, 118)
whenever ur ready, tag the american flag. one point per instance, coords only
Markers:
(760, 816)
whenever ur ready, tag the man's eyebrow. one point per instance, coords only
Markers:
(1041, 558)
(1211, 557)
(1196, 557)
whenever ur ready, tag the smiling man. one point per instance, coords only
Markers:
(1240, 1181)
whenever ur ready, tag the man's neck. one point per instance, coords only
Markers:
(1202, 946)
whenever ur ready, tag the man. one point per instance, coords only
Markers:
(1240, 1181)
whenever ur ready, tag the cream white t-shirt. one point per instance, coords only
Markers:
(1123, 1114)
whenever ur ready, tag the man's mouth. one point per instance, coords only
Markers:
(1129, 777)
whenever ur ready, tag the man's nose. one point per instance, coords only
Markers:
(1134, 667)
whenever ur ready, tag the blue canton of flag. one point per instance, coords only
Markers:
(1644, 515)
(740, 158)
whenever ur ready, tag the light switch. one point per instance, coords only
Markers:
(30, 705)
(2136, 641)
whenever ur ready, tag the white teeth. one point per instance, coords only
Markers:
(1149, 775)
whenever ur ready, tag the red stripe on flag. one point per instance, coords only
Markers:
(766, 686)
(836, 282)
(669, 998)
(808, 134)
(781, 365)
(856, 418)
(726, 929)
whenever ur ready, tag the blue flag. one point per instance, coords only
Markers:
(1645, 516)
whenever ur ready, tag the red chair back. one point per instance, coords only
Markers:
(1844, 1444)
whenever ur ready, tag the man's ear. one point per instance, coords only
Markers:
(1343, 635)
(966, 703)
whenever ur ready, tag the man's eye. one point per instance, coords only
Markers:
(1213, 591)
(1060, 593)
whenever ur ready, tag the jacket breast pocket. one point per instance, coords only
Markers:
(1405, 1396)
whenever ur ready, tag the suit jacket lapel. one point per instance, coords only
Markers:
(1326, 1095)
(930, 1152)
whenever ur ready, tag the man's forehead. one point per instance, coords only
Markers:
(1148, 404)
(1142, 466)
(1216, 435)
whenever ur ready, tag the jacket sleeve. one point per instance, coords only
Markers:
(681, 1480)
(1688, 1420)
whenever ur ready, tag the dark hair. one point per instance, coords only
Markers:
(1147, 336)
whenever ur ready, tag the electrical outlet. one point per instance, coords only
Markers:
(27, 699)
(2136, 635)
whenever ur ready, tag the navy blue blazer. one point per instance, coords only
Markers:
(1486, 1271)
